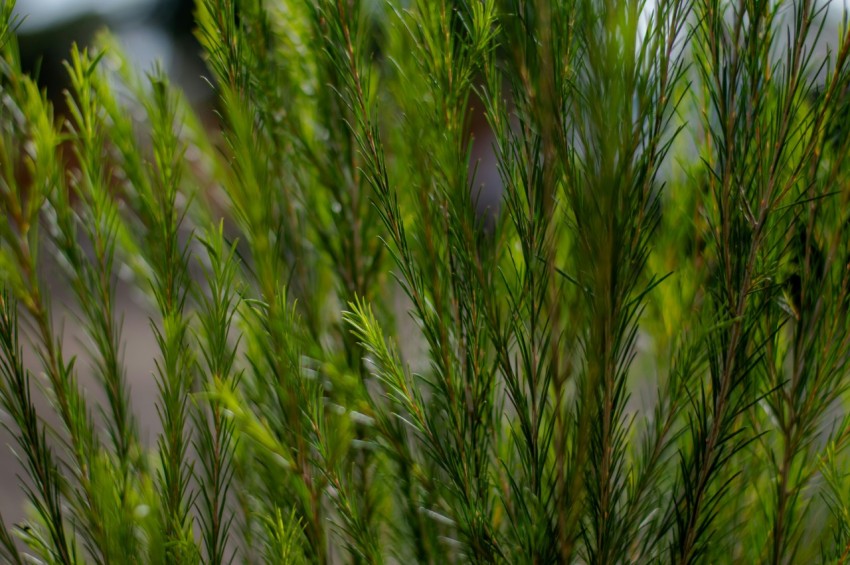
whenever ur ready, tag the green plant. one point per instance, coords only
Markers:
(642, 355)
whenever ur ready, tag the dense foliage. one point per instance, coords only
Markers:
(640, 353)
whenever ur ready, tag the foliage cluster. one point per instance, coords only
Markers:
(641, 353)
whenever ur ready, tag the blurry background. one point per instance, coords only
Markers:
(149, 30)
